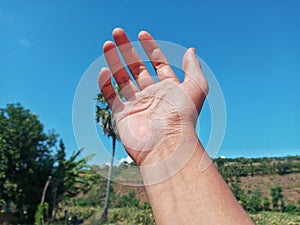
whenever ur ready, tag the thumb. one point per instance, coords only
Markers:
(194, 80)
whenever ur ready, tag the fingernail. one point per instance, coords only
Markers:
(194, 50)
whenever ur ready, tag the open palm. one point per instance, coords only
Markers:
(154, 112)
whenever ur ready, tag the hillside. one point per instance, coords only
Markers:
(268, 188)
(252, 173)
(290, 184)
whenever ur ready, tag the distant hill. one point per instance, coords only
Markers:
(252, 173)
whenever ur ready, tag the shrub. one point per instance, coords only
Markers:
(129, 200)
(266, 204)
(254, 204)
(290, 208)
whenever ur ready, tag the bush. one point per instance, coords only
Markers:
(131, 216)
(266, 204)
(254, 204)
(290, 208)
(129, 200)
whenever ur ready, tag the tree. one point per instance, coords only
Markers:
(266, 204)
(291, 208)
(254, 204)
(25, 158)
(239, 193)
(284, 167)
(129, 200)
(70, 177)
(282, 205)
(277, 197)
(105, 118)
(28, 159)
(58, 187)
(42, 207)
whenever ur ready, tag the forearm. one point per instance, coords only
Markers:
(195, 197)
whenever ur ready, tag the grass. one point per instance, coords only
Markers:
(131, 216)
(275, 218)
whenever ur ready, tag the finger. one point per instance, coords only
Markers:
(104, 82)
(126, 85)
(132, 59)
(157, 58)
(194, 81)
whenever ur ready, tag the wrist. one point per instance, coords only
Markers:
(169, 157)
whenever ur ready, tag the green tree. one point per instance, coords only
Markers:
(239, 193)
(290, 208)
(129, 200)
(266, 204)
(58, 187)
(70, 177)
(28, 159)
(254, 204)
(277, 197)
(78, 175)
(282, 205)
(98, 189)
(105, 119)
(43, 207)
(25, 158)
(284, 167)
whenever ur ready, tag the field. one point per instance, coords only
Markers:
(132, 217)
(275, 218)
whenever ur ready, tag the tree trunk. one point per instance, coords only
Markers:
(43, 197)
(105, 209)
(45, 189)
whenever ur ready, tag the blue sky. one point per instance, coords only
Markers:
(252, 47)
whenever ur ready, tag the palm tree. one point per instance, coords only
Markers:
(105, 118)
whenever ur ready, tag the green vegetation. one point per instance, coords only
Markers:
(242, 167)
(29, 156)
(263, 208)
(275, 218)
(106, 120)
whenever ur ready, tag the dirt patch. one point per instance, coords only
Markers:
(140, 191)
(290, 184)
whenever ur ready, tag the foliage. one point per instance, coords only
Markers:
(241, 167)
(291, 208)
(81, 211)
(25, 158)
(78, 177)
(95, 197)
(254, 204)
(275, 218)
(28, 156)
(277, 197)
(266, 204)
(239, 193)
(41, 211)
(104, 117)
(284, 167)
(127, 216)
(129, 200)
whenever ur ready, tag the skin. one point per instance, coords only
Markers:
(156, 124)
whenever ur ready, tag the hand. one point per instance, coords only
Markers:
(157, 122)
(154, 115)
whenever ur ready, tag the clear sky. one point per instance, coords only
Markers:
(253, 48)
